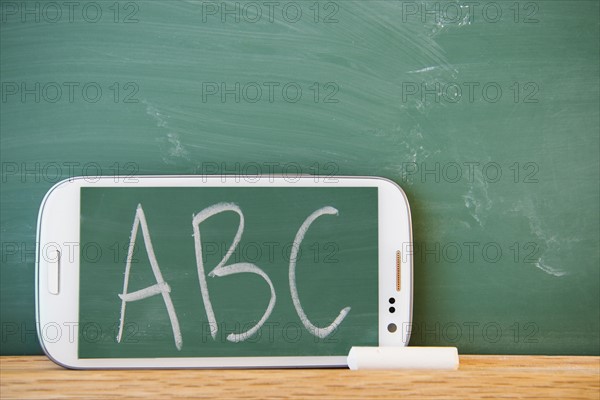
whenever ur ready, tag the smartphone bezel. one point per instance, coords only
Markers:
(57, 314)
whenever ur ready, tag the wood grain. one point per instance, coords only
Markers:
(528, 377)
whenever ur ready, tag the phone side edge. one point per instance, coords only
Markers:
(38, 257)
(407, 259)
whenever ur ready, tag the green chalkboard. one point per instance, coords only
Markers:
(336, 266)
(486, 114)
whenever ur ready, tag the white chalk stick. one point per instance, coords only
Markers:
(362, 358)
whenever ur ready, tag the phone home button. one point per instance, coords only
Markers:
(53, 263)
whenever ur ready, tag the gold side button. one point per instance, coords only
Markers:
(398, 271)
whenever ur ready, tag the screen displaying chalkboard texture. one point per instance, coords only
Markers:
(503, 184)
(154, 238)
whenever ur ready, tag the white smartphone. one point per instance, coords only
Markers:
(222, 271)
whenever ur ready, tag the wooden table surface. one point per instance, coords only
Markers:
(537, 377)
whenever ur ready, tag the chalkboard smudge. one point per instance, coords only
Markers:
(477, 199)
(427, 69)
(177, 149)
(155, 114)
(551, 242)
(548, 269)
(174, 148)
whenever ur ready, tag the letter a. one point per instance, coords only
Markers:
(161, 287)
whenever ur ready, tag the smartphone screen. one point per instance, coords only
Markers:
(227, 271)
